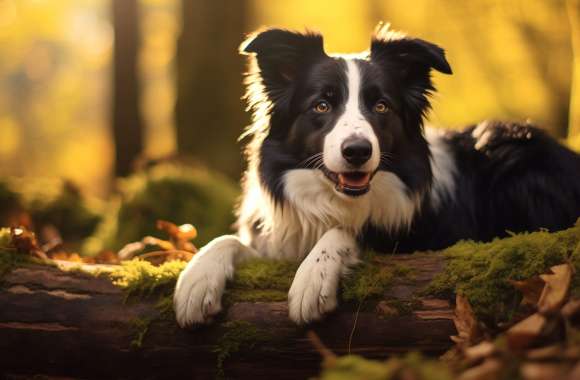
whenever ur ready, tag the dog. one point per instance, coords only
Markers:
(339, 161)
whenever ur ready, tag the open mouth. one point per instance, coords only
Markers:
(350, 183)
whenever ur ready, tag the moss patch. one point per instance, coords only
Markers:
(481, 271)
(261, 280)
(370, 279)
(140, 327)
(141, 278)
(237, 334)
(412, 366)
(175, 193)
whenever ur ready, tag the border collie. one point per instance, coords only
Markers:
(339, 161)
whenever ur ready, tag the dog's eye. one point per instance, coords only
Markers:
(381, 107)
(322, 107)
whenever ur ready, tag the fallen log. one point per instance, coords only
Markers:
(71, 324)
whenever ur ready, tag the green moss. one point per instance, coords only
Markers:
(140, 327)
(175, 193)
(236, 335)
(261, 280)
(412, 366)
(370, 280)
(481, 271)
(141, 278)
(403, 307)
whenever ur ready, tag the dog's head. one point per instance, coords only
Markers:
(346, 115)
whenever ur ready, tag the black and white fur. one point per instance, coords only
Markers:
(407, 188)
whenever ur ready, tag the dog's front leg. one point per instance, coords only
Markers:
(314, 289)
(200, 286)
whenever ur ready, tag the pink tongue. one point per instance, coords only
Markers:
(354, 180)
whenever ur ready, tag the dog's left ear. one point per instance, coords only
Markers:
(281, 54)
(410, 60)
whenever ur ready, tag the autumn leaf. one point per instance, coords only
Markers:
(468, 330)
(524, 333)
(556, 290)
(25, 242)
(531, 289)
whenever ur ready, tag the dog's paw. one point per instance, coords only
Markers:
(200, 286)
(313, 291)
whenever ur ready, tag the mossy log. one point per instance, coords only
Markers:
(72, 324)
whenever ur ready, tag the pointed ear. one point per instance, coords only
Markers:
(410, 60)
(281, 54)
(413, 52)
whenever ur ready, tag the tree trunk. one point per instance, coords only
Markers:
(70, 324)
(573, 8)
(127, 120)
(209, 112)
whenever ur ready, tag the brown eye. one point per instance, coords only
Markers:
(322, 107)
(381, 107)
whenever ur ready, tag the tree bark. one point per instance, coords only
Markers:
(209, 111)
(70, 324)
(127, 119)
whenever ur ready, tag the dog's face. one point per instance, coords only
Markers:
(348, 116)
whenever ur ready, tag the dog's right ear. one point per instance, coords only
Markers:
(281, 54)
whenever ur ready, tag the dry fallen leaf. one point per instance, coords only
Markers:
(542, 371)
(480, 351)
(25, 242)
(468, 331)
(178, 247)
(571, 311)
(556, 289)
(524, 333)
(531, 289)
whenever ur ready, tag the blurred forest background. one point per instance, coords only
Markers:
(90, 90)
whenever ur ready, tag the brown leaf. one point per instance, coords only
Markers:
(163, 244)
(556, 289)
(531, 289)
(575, 373)
(131, 250)
(545, 353)
(64, 256)
(572, 309)
(468, 331)
(159, 257)
(542, 371)
(480, 351)
(489, 369)
(25, 242)
(525, 332)
(107, 257)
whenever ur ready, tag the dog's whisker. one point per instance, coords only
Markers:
(308, 162)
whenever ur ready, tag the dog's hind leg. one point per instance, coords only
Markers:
(200, 286)
(313, 291)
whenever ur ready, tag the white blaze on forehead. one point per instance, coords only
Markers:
(351, 123)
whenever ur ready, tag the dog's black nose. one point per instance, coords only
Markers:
(356, 151)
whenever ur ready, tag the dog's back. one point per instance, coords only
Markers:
(508, 178)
